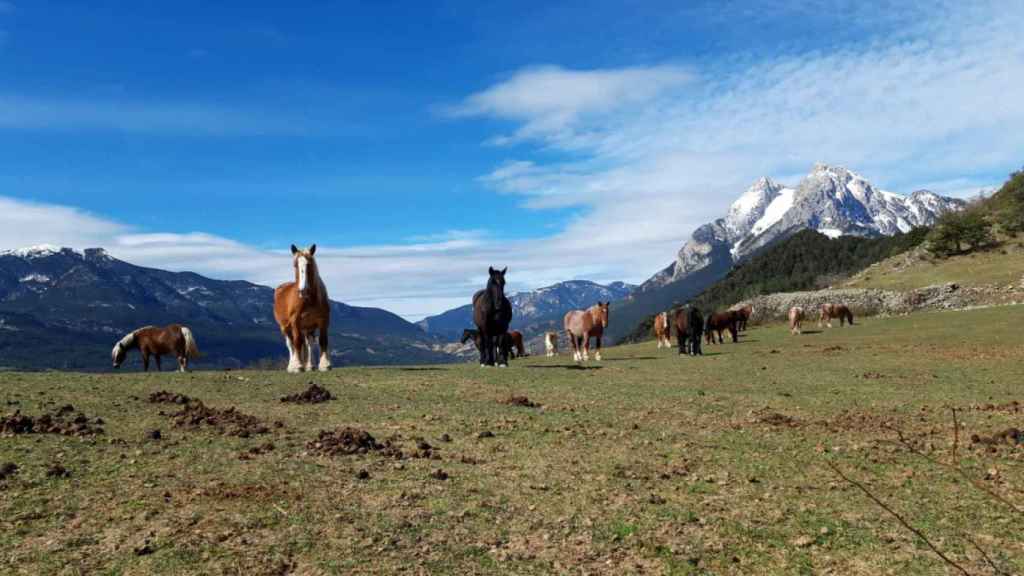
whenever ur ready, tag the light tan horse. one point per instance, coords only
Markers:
(581, 325)
(796, 317)
(551, 343)
(830, 311)
(152, 341)
(662, 330)
(301, 308)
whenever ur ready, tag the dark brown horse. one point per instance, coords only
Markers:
(830, 311)
(742, 315)
(689, 324)
(717, 323)
(470, 334)
(492, 313)
(152, 341)
(301, 308)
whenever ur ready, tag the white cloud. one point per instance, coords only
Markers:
(933, 102)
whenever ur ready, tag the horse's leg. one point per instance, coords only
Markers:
(572, 345)
(325, 351)
(732, 332)
(597, 355)
(586, 346)
(145, 361)
(181, 363)
(481, 344)
(158, 368)
(307, 360)
(294, 340)
(504, 349)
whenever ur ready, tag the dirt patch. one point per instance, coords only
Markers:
(1010, 436)
(227, 421)
(772, 418)
(872, 376)
(256, 451)
(64, 420)
(57, 471)
(8, 469)
(348, 441)
(312, 395)
(519, 401)
(836, 348)
(165, 397)
(1011, 407)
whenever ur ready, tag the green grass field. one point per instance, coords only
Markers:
(1000, 266)
(645, 462)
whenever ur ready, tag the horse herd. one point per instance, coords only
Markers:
(302, 311)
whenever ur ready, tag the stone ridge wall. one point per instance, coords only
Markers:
(875, 302)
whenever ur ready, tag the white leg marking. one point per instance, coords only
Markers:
(597, 355)
(307, 354)
(325, 361)
(293, 358)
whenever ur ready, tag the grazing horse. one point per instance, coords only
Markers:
(830, 311)
(581, 325)
(516, 348)
(492, 313)
(689, 325)
(301, 307)
(662, 330)
(152, 341)
(742, 315)
(717, 322)
(468, 334)
(551, 343)
(796, 317)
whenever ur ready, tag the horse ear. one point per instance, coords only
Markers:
(490, 270)
(312, 249)
(294, 249)
(503, 270)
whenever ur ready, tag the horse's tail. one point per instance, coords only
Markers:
(191, 350)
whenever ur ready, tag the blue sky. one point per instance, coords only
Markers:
(419, 142)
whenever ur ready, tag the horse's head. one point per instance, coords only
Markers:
(305, 269)
(118, 355)
(467, 335)
(497, 279)
(600, 313)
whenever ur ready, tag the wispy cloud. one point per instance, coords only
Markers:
(19, 112)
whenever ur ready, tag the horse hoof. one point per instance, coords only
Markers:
(325, 368)
(502, 365)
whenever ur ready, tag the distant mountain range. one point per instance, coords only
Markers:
(533, 311)
(60, 308)
(830, 199)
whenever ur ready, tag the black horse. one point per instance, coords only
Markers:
(689, 325)
(492, 313)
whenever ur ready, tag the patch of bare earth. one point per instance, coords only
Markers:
(64, 420)
(313, 395)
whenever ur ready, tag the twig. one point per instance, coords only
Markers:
(973, 481)
(956, 433)
(995, 569)
(899, 518)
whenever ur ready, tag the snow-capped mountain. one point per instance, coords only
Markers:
(63, 308)
(831, 200)
(533, 308)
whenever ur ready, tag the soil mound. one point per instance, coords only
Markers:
(313, 395)
(1011, 436)
(229, 421)
(165, 397)
(775, 419)
(520, 401)
(8, 469)
(65, 421)
(348, 441)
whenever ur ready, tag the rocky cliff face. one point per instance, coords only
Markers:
(830, 199)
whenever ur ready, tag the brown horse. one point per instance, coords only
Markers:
(830, 311)
(581, 325)
(689, 328)
(719, 321)
(662, 330)
(796, 317)
(517, 350)
(742, 315)
(301, 307)
(152, 341)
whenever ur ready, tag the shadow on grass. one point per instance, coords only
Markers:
(630, 358)
(567, 367)
(422, 369)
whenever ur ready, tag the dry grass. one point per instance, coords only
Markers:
(646, 462)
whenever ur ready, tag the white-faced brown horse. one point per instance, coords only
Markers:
(151, 341)
(662, 330)
(830, 311)
(301, 308)
(582, 325)
(492, 313)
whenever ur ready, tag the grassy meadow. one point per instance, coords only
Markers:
(644, 463)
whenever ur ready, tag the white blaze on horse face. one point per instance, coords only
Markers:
(302, 263)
